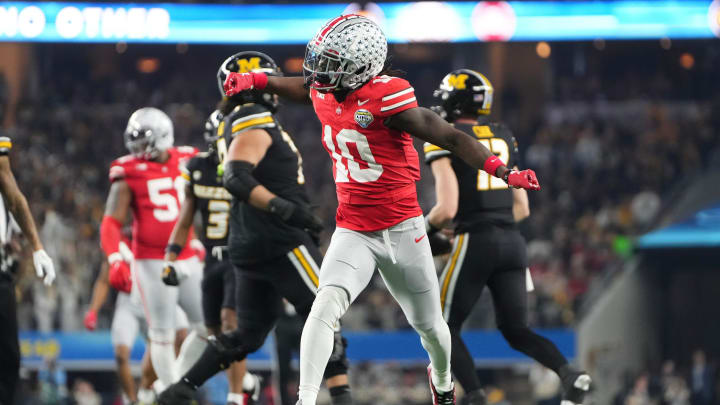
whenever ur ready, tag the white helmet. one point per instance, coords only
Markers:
(345, 53)
(149, 132)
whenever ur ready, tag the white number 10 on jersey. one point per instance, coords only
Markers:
(362, 169)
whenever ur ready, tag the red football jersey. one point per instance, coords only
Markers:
(375, 167)
(157, 194)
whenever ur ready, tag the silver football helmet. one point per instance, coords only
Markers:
(149, 132)
(344, 54)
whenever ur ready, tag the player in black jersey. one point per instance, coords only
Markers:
(13, 202)
(204, 193)
(488, 249)
(272, 231)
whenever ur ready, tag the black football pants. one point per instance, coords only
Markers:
(9, 347)
(495, 257)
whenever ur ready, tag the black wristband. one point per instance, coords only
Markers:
(506, 175)
(174, 248)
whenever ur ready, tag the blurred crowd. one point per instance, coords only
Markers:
(604, 166)
(696, 384)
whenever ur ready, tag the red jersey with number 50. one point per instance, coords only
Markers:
(375, 167)
(157, 194)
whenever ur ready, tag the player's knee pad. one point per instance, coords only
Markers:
(515, 334)
(161, 336)
(329, 305)
(338, 363)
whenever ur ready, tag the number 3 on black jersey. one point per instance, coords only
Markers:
(218, 219)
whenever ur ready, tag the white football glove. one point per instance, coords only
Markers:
(44, 267)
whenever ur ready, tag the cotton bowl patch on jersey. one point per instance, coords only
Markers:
(363, 118)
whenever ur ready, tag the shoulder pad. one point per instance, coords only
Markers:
(395, 94)
(191, 164)
(120, 167)
(250, 116)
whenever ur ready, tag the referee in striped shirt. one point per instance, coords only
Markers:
(13, 203)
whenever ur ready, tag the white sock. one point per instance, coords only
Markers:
(248, 382)
(146, 396)
(158, 387)
(162, 355)
(317, 341)
(437, 344)
(191, 349)
(237, 398)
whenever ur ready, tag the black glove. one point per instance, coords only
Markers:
(439, 243)
(170, 275)
(295, 215)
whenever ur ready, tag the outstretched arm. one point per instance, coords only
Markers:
(291, 88)
(428, 126)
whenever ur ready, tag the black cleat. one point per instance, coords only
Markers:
(180, 393)
(476, 397)
(440, 398)
(576, 384)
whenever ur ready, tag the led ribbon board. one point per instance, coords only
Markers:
(402, 22)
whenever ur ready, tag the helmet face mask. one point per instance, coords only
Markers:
(140, 144)
(346, 53)
(210, 130)
(149, 133)
(324, 70)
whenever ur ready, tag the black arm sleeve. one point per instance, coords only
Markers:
(238, 179)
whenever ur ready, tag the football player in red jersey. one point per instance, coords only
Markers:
(368, 119)
(127, 321)
(148, 182)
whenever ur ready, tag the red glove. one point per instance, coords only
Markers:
(237, 82)
(523, 179)
(90, 320)
(119, 276)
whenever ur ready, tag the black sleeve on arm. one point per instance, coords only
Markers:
(238, 179)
